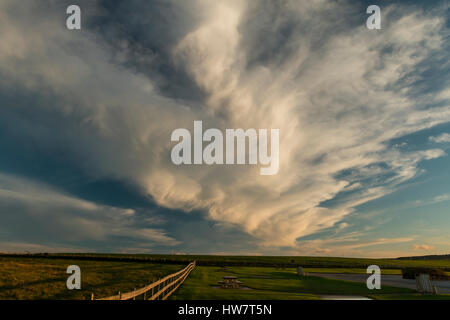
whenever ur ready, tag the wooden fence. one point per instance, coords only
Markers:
(159, 290)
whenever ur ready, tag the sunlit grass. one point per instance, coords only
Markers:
(350, 270)
(46, 278)
(269, 283)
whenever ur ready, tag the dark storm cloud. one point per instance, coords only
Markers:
(142, 35)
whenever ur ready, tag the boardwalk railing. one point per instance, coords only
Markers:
(159, 290)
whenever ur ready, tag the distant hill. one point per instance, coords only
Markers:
(429, 257)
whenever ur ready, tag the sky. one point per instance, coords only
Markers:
(86, 118)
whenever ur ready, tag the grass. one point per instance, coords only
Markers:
(44, 277)
(269, 283)
(30, 279)
(258, 261)
(414, 296)
(349, 270)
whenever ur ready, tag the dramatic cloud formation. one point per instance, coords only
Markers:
(338, 92)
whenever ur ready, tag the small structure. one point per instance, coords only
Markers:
(230, 282)
(300, 271)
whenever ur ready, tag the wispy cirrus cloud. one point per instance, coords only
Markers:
(350, 244)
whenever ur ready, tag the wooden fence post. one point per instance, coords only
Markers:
(159, 288)
(163, 286)
(120, 296)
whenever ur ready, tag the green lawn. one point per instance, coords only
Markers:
(414, 296)
(46, 279)
(349, 270)
(269, 283)
(260, 261)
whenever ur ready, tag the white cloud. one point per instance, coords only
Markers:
(382, 241)
(46, 213)
(343, 225)
(337, 102)
(443, 138)
(350, 245)
(437, 199)
(441, 198)
(423, 247)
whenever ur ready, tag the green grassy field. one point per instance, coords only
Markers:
(44, 277)
(24, 278)
(269, 283)
(257, 261)
(349, 270)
